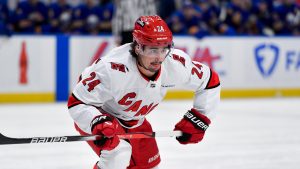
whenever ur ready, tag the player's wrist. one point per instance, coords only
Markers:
(99, 120)
(104, 125)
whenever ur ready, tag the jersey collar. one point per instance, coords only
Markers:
(147, 78)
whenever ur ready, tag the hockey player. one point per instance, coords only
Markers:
(114, 95)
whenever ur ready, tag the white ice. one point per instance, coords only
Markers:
(246, 134)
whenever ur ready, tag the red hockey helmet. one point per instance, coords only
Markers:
(152, 31)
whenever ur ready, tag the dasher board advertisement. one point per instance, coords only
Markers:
(248, 66)
(27, 68)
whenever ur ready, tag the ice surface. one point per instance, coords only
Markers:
(246, 134)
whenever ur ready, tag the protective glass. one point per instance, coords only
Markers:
(157, 51)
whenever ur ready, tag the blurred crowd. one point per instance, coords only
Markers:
(237, 17)
(193, 17)
(60, 16)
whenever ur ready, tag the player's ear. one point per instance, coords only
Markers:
(138, 49)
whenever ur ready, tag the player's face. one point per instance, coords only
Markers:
(152, 57)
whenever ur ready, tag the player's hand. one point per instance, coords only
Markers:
(193, 126)
(106, 126)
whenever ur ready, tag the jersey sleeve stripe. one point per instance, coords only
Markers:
(73, 101)
(213, 81)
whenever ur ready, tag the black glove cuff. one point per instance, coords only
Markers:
(100, 142)
(184, 138)
(195, 120)
(98, 120)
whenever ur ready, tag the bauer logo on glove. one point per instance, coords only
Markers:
(195, 120)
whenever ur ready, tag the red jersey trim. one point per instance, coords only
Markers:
(213, 81)
(158, 75)
(73, 101)
(147, 78)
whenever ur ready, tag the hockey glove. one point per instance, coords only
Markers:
(106, 126)
(193, 125)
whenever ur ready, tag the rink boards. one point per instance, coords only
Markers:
(46, 68)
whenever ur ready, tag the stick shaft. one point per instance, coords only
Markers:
(4, 140)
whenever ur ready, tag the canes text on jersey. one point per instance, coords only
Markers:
(136, 106)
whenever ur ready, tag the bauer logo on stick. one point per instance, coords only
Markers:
(48, 139)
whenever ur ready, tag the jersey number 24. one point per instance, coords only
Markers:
(91, 81)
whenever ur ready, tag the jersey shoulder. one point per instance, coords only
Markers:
(177, 66)
(108, 72)
(118, 60)
(117, 66)
(117, 54)
(178, 60)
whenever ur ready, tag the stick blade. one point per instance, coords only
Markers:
(4, 139)
(8, 140)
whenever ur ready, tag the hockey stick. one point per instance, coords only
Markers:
(4, 140)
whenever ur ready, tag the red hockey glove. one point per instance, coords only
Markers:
(106, 126)
(193, 125)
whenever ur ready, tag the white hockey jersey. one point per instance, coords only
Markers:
(114, 84)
